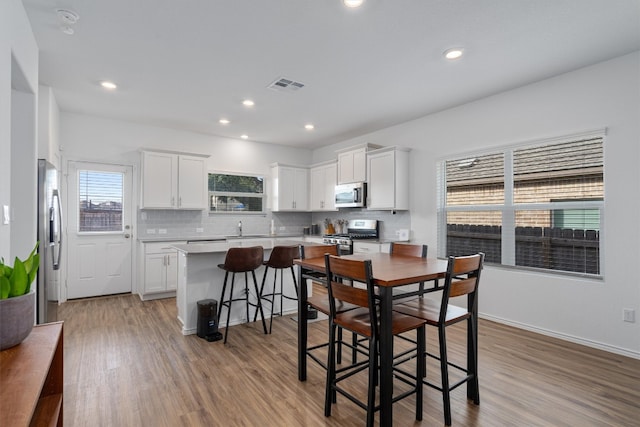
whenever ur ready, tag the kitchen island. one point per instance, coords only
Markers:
(200, 278)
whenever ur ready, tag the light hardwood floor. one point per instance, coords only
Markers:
(127, 364)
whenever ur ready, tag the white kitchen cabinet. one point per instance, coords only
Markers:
(290, 188)
(352, 163)
(360, 247)
(173, 181)
(388, 179)
(323, 184)
(159, 272)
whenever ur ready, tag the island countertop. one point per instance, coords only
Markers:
(224, 245)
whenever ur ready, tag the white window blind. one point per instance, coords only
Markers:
(100, 201)
(535, 206)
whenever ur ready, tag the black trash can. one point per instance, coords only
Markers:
(208, 319)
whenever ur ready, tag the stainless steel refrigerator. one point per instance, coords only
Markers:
(50, 238)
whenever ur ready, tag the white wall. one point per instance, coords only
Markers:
(48, 126)
(18, 70)
(603, 95)
(91, 138)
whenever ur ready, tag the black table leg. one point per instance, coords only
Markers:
(302, 326)
(386, 357)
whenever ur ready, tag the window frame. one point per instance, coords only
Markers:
(508, 209)
(262, 195)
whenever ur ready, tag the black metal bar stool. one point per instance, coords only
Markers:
(241, 260)
(280, 259)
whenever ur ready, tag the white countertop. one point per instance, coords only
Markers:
(223, 246)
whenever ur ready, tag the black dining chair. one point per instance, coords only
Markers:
(463, 278)
(364, 321)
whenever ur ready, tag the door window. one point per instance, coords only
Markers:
(100, 197)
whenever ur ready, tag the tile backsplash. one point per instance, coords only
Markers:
(188, 224)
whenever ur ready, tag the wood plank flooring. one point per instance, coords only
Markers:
(127, 364)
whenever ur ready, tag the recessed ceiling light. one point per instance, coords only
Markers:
(224, 121)
(108, 85)
(248, 103)
(453, 53)
(244, 136)
(309, 126)
(353, 3)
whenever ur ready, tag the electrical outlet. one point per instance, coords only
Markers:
(199, 230)
(151, 231)
(162, 231)
(629, 315)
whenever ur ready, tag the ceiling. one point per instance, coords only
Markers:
(187, 63)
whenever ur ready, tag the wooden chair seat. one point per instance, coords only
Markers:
(429, 310)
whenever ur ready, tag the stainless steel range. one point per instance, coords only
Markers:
(356, 229)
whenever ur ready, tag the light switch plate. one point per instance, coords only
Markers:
(5, 214)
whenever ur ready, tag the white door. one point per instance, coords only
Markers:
(99, 234)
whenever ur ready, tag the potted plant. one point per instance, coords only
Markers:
(17, 299)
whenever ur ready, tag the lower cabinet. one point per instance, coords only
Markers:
(159, 273)
(370, 247)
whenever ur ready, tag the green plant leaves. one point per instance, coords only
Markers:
(5, 286)
(17, 281)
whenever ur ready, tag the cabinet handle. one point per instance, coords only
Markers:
(179, 201)
(168, 260)
(173, 201)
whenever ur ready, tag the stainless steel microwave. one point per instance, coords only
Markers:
(352, 195)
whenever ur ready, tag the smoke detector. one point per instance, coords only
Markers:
(67, 16)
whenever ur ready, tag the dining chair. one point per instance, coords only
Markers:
(414, 250)
(462, 278)
(364, 321)
(241, 260)
(320, 302)
(280, 259)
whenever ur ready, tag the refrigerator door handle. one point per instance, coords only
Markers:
(58, 205)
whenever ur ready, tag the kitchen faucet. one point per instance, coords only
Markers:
(240, 228)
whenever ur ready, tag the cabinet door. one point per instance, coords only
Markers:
(381, 182)
(318, 193)
(159, 180)
(366, 247)
(352, 166)
(172, 271)
(286, 185)
(330, 180)
(155, 273)
(192, 183)
(301, 189)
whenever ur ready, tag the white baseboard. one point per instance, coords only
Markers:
(565, 337)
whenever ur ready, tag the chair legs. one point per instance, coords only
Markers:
(227, 303)
(274, 292)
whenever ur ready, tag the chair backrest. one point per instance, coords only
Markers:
(239, 260)
(408, 250)
(315, 251)
(339, 269)
(283, 256)
(463, 278)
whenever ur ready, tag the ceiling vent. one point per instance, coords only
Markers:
(283, 84)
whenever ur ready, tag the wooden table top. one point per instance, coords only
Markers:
(390, 269)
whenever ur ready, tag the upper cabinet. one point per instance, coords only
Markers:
(173, 181)
(388, 179)
(352, 163)
(290, 188)
(323, 184)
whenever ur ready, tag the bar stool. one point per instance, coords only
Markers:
(241, 260)
(280, 259)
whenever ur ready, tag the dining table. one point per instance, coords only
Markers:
(390, 271)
